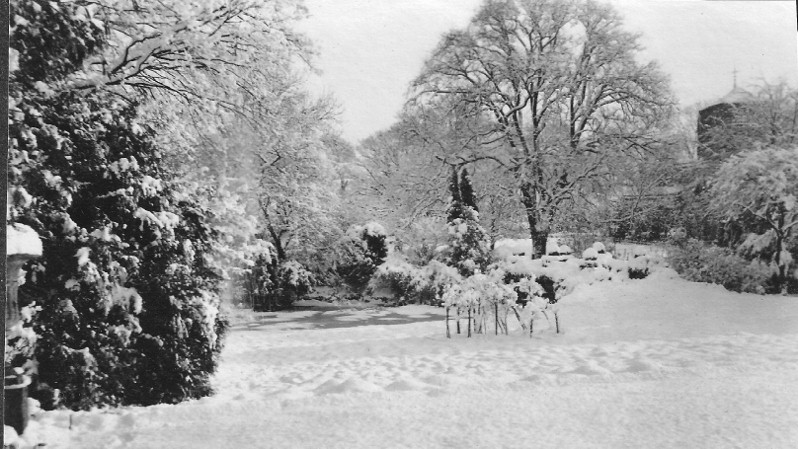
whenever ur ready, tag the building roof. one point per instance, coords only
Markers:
(737, 95)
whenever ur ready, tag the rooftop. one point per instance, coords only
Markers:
(736, 95)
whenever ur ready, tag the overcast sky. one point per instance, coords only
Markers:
(370, 50)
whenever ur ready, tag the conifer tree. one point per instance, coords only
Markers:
(455, 206)
(126, 285)
(467, 191)
(469, 244)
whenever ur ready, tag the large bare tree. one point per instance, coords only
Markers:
(559, 85)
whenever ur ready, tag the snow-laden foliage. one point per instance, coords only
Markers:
(352, 260)
(273, 284)
(762, 185)
(127, 284)
(20, 343)
(538, 285)
(397, 277)
(408, 283)
(486, 300)
(469, 245)
(701, 262)
(518, 286)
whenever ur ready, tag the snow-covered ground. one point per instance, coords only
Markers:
(655, 363)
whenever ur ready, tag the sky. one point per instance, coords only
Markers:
(370, 50)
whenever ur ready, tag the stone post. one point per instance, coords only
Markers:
(22, 245)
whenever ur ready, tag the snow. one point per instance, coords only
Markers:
(590, 254)
(22, 239)
(658, 362)
(83, 256)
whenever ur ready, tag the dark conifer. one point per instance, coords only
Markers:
(455, 206)
(467, 197)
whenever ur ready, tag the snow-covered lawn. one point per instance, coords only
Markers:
(653, 363)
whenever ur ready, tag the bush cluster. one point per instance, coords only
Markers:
(700, 262)
(275, 285)
(404, 282)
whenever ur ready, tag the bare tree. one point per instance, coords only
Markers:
(559, 84)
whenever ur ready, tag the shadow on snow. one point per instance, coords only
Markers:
(314, 317)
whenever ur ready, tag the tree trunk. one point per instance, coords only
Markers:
(529, 200)
(539, 242)
(448, 334)
(518, 317)
(496, 319)
(278, 243)
(469, 322)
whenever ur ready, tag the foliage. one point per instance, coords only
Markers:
(763, 186)
(456, 202)
(699, 262)
(485, 298)
(20, 344)
(272, 284)
(763, 119)
(353, 259)
(469, 245)
(397, 277)
(127, 286)
(410, 283)
(467, 196)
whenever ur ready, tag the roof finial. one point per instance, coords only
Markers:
(734, 77)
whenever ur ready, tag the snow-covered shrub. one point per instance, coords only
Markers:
(397, 277)
(486, 301)
(640, 267)
(579, 241)
(437, 277)
(699, 262)
(531, 288)
(469, 244)
(758, 191)
(375, 238)
(294, 278)
(354, 258)
(599, 247)
(552, 247)
(275, 285)
(481, 299)
(590, 254)
(409, 283)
